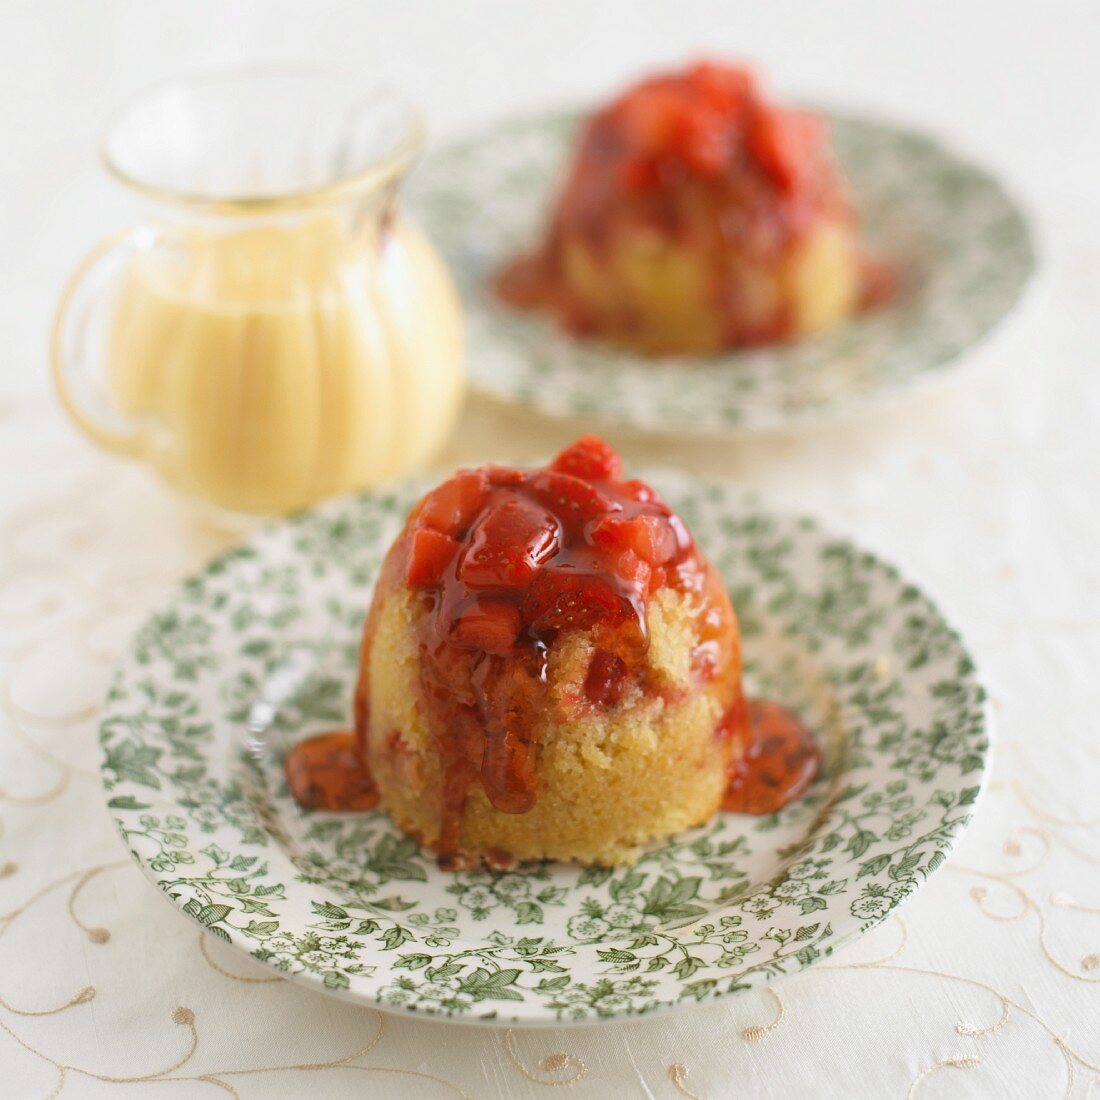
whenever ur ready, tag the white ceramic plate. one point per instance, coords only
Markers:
(960, 243)
(260, 650)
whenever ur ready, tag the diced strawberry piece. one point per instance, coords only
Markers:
(782, 143)
(589, 458)
(454, 505)
(648, 536)
(430, 552)
(508, 543)
(633, 571)
(610, 533)
(639, 491)
(605, 682)
(723, 87)
(705, 142)
(650, 114)
(504, 476)
(562, 599)
(491, 625)
(572, 499)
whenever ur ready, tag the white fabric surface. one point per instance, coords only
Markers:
(985, 492)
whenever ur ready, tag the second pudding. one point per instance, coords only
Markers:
(697, 215)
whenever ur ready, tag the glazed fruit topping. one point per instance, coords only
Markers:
(430, 552)
(489, 625)
(507, 544)
(590, 459)
(708, 121)
(783, 143)
(569, 600)
(649, 536)
(637, 491)
(452, 506)
(515, 556)
(574, 500)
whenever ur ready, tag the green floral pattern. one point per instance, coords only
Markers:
(961, 245)
(259, 650)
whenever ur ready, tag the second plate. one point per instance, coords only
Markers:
(960, 243)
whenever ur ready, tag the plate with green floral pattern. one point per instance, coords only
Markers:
(259, 650)
(960, 244)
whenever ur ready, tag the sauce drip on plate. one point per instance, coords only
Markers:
(781, 760)
(328, 773)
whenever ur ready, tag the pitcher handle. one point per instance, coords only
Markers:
(77, 364)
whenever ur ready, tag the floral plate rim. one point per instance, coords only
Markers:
(119, 733)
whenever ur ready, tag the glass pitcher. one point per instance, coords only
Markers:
(280, 332)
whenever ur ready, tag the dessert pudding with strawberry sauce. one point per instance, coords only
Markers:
(550, 669)
(696, 216)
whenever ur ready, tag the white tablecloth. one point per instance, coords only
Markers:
(985, 492)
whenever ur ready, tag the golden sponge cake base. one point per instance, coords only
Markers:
(609, 780)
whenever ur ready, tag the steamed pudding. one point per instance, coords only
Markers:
(696, 215)
(550, 668)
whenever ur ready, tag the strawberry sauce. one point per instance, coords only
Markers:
(781, 760)
(327, 773)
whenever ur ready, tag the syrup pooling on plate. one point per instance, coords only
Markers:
(328, 773)
(781, 760)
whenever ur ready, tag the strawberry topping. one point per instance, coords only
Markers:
(452, 506)
(708, 121)
(508, 543)
(564, 548)
(591, 459)
(489, 625)
(430, 552)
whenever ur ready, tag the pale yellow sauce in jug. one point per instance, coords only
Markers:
(283, 364)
